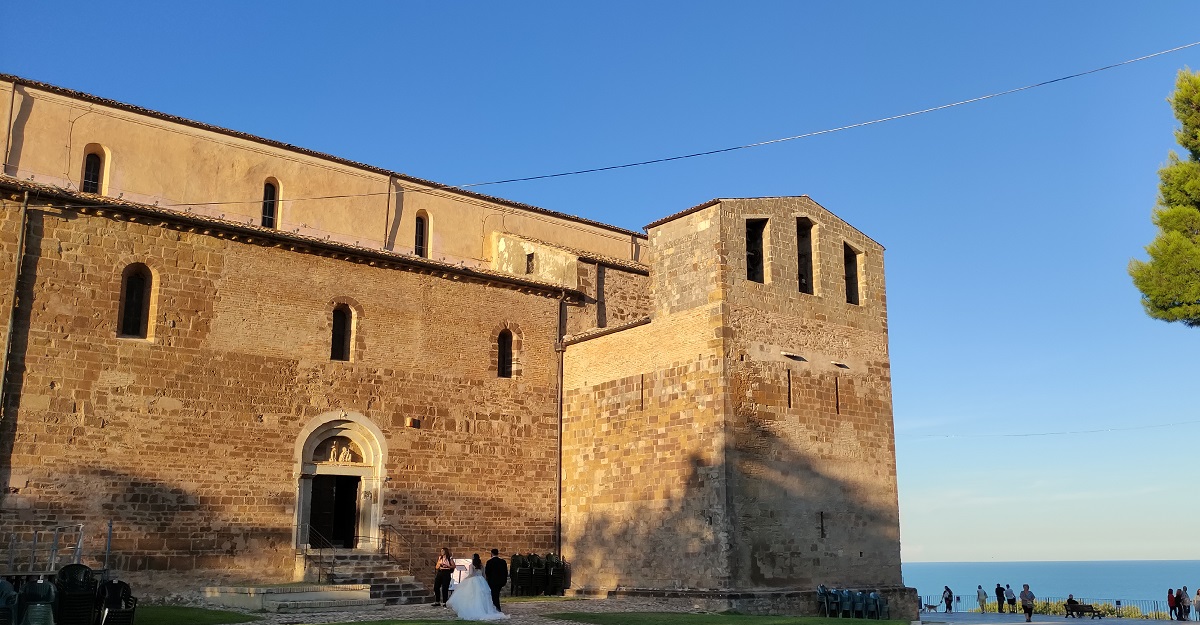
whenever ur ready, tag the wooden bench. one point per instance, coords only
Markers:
(1078, 610)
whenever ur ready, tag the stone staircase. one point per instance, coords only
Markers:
(385, 577)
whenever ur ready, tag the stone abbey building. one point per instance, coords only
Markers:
(227, 346)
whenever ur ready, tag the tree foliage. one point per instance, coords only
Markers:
(1170, 280)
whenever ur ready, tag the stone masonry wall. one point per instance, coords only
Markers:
(642, 470)
(10, 225)
(813, 479)
(612, 297)
(643, 432)
(188, 441)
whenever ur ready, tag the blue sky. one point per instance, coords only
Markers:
(1008, 223)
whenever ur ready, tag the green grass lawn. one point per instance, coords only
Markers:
(671, 618)
(659, 618)
(179, 615)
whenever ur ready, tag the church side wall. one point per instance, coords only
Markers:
(158, 161)
(187, 441)
(813, 479)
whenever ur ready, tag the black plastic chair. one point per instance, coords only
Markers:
(872, 605)
(522, 581)
(846, 603)
(823, 599)
(860, 605)
(76, 588)
(541, 581)
(558, 581)
(115, 603)
(8, 603)
(35, 603)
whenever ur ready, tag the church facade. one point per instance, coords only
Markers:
(232, 348)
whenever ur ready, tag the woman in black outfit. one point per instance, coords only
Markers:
(441, 578)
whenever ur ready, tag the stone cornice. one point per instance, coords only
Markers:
(123, 210)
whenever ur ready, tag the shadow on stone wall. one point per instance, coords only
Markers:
(14, 377)
(791, 525)
(156, 526)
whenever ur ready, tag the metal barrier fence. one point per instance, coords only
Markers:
(1114, 608)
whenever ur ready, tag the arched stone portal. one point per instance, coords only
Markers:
(340, 459)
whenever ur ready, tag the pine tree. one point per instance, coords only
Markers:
(1170, 280)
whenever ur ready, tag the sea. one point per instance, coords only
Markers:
(1127, 580)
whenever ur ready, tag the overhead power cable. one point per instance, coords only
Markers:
(829, 130)
(576, 172)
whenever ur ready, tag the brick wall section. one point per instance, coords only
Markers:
(188, 441)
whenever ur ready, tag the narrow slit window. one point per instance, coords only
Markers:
(851, 263)
(837, 396)
(755, 228)
(339, 348)
(135, 302)
(504, 354)
(93, 167)
(270, 205)
(529, 263)
(421, 237)
(804, 249)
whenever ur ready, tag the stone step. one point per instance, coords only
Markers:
(328, 605)
(257, 597)
(386, 578)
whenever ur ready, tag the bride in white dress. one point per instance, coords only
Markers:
(472, 599)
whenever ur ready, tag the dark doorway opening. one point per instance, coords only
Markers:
(333, 513)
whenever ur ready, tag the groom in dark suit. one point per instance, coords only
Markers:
(496, 574)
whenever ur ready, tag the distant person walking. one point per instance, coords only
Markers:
(981, 594)
(1027, 602)
(1171, 605)
(1185, 605)
(948, 597)
(1000, 598)
(1196, 602)
(1011, 598)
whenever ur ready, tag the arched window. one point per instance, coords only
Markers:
(93, 171)
(270, 201)
(134, 319)
(339, 346)
(421, 238)
(504, 354)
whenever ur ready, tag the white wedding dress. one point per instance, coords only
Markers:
(472, 599)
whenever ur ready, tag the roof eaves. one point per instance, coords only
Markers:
(95, 203)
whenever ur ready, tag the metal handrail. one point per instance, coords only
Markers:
(306, 533)
(52, 556)
(389, 538)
